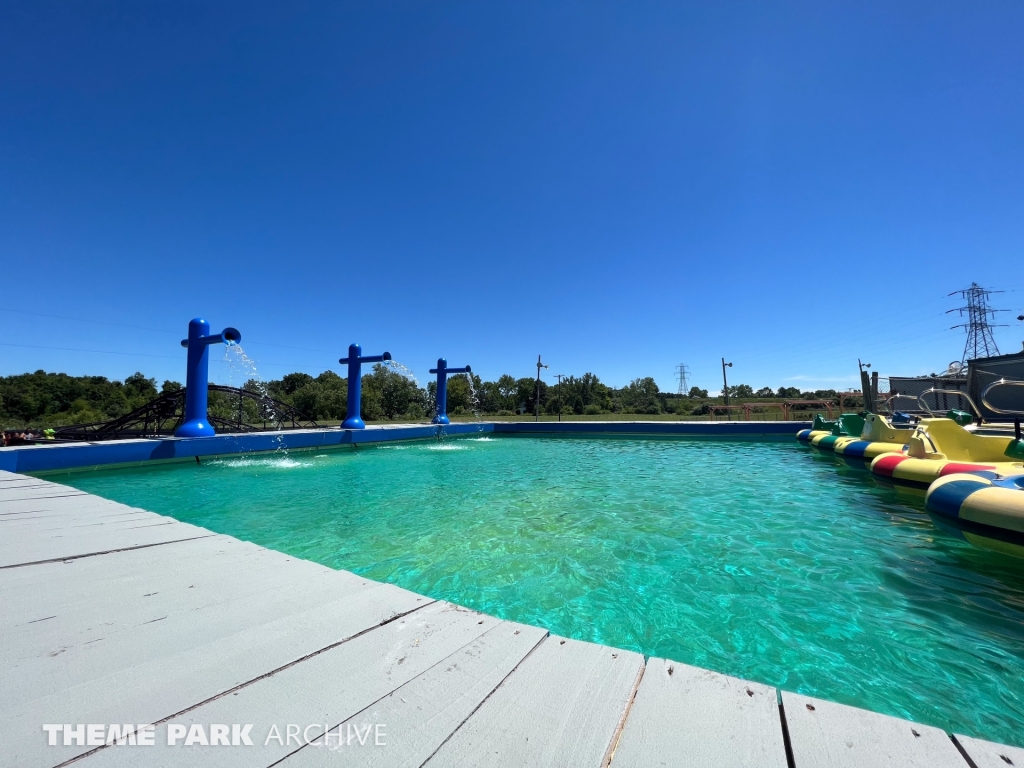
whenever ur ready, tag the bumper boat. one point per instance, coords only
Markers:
(986, 507)
(941, 447)
(878, 436)
(820, 426)
(847, 425)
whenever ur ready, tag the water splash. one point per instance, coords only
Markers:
(242, 366)
(274, 462)
(396, 367)
(474, 396)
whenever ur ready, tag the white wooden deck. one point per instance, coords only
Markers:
(110, 614)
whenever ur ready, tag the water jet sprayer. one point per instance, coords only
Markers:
(443, 371)
(198, 376)
(355, 384)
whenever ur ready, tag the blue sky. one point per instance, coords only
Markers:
(617, 186)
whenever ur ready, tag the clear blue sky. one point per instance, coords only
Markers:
(618, 186)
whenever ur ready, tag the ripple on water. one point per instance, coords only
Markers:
(764, 561)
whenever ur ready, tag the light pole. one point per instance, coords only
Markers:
(536, 404)
(559, 376)
(725, 386)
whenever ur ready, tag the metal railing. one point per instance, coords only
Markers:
(891, 402)
(1000, 383)
(937, 391)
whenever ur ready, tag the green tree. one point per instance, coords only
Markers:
(741, 390)
(526, 394)
(697, 392)
(641, 396)
(387, 395)
(508, 391)
(322, 398)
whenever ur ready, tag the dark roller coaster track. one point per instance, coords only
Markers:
(160, 417)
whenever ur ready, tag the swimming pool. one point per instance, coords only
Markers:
(761, 560)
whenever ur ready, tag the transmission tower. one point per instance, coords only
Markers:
(683, 374)
(980, 341)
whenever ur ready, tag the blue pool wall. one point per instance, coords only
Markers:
(70, 456)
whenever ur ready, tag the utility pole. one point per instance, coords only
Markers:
(980, 341)
(683, 373)
(725, 386)
(536, 404)
(559, 376)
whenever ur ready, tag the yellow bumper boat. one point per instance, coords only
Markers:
(940, 447)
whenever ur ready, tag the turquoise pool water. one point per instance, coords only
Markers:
(762, 560)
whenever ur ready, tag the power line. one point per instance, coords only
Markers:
(980, 340)
(141, 328)
(91, 351)
(293, 366)
(683, 373)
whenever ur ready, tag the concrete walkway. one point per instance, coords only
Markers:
(111, 615)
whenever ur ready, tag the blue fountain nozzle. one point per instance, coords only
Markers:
(195, 422)
(229, 336)
(441, 393)
(354, 361)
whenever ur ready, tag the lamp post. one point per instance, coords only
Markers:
(725, 386)
(536, 404)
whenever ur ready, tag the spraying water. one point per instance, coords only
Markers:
(244, 367)
(474, 396)
(396, 367)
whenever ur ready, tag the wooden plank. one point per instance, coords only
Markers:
(686, 716)
(104, 596)
(151, 670)
(561, 707)
(825, 733)
(87, 532)
(988, 754)
(33, 494)
(420, 715)
(320, 691)
(49, 656)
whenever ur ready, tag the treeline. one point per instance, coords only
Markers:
(43, 399)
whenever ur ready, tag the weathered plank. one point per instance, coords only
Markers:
(81, 526)
(320, 691)
(79, 601)
(561, 707)
(686, 716)
(420, 715)
(823, 733)
(153, 669)
(988, 754)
